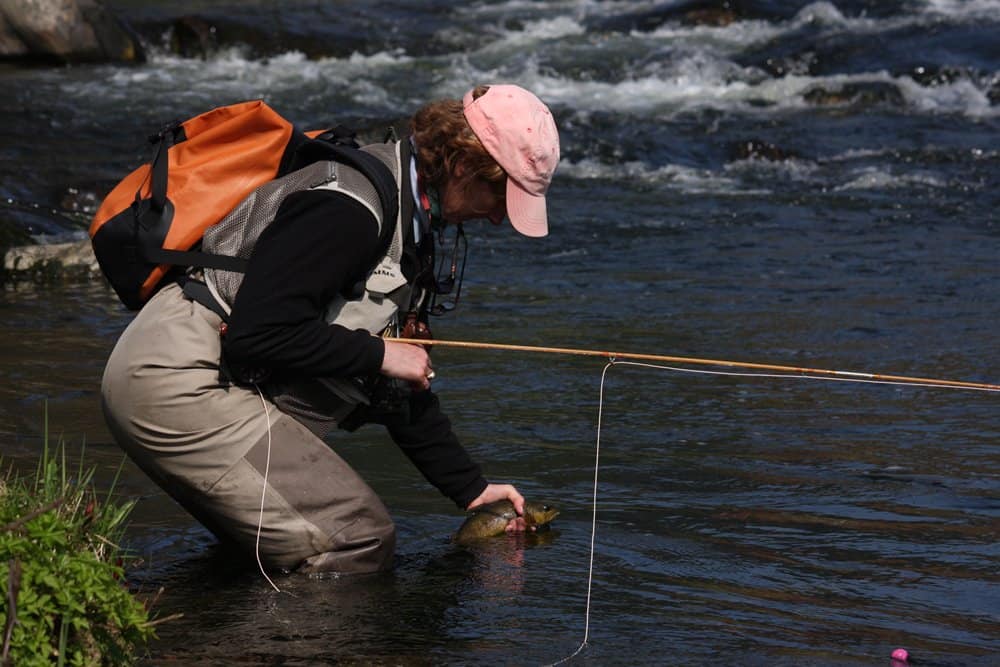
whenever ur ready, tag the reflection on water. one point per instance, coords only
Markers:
(437, 602)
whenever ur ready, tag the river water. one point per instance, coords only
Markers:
(809, 184)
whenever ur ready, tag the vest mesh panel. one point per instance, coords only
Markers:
(237, 233)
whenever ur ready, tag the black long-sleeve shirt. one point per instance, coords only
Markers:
(320, 244)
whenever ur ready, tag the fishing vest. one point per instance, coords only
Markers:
(321, 403)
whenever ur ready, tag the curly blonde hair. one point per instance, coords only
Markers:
(444, 140)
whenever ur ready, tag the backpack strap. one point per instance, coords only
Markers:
(159, 211)
(196, 290)
(158, 255)
(339, 145)
(171, 133)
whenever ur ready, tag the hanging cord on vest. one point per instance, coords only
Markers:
(263, 492)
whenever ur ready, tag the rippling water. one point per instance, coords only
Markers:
(807, 184)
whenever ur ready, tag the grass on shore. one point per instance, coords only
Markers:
(62, 570)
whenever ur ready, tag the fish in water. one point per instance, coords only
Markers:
(492, 519)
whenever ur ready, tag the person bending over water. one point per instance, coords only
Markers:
(209, 416)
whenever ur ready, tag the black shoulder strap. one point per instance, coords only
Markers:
(339, 145)
(158, 255)
(171, 133)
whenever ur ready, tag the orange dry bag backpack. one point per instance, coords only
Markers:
(202, 168)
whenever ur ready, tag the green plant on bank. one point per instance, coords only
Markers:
(61, 571)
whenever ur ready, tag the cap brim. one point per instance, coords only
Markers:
(526, 212)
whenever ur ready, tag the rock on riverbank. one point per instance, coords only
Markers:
(74, 258)
(64, 31)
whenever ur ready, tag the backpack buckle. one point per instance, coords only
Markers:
(170, 129)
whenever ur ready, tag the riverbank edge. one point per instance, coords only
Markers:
(62, 571)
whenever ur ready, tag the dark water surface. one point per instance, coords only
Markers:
(811, 185)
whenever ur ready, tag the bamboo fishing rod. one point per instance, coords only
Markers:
(800, 371)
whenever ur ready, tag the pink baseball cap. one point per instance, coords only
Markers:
(518, 131)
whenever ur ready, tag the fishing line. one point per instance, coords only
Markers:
(263, 493)
(612, 361)
(593, 520)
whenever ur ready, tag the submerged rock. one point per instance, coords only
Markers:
(202, 34)
(687, 12)
(937, 75)
(193, 37)
(64, 31)
(757, 149)
(856, 94)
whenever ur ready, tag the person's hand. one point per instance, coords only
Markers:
(495, 492)
(408, 362)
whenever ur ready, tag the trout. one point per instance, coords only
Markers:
(492, 519)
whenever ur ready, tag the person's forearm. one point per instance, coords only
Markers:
(429, 442)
